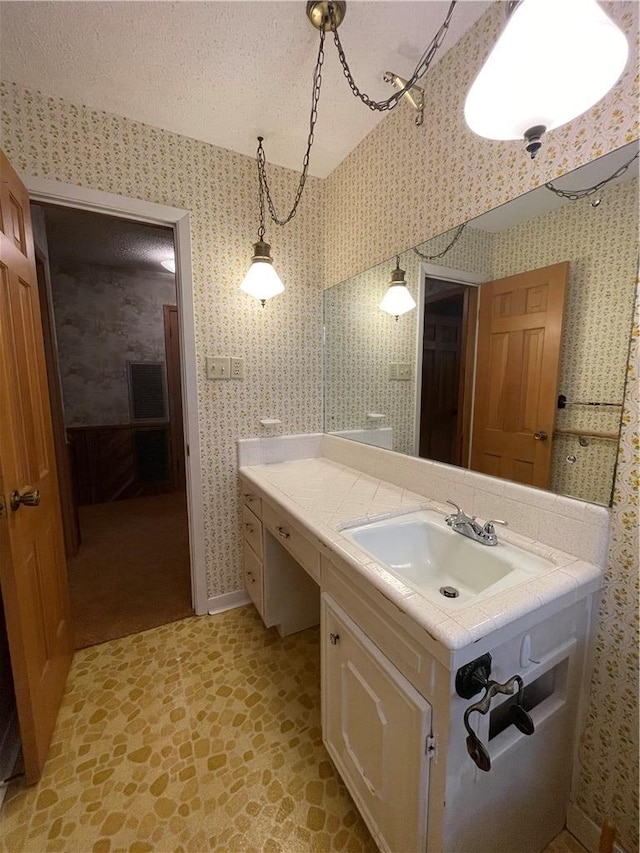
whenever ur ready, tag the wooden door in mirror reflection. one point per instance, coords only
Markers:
(519, 336)
(447, 370)
(32, 561)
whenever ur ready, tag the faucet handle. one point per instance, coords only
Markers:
(455, 506)
(488, 526)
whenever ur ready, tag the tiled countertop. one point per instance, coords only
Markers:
(325, 497)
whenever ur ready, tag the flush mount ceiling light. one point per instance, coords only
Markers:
(397, 300)
(169, 264)
(261, 281)
(553, 61)
(326, 16)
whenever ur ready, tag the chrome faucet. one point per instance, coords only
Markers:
(467, 525)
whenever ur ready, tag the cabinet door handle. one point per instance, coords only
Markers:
(282, 532)
(249, 498)
(334, 639)
(251, 577)
(249, 526)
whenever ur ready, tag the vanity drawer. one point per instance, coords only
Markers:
(252, 501)
(252, 530)
(253, 578)
(296, 544)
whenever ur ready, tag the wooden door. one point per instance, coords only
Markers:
(68, 503)
(519, 335)
(174, 391)
(442, 346)
(32, 564)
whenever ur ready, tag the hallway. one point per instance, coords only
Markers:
(132, 571)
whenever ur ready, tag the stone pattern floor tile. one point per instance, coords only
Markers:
(201, 735)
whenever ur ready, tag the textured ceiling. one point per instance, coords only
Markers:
(77, 236)
(224, 72)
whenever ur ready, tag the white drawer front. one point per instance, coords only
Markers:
(252, 501)
(253, 578)
(252, 530)
(290, 538)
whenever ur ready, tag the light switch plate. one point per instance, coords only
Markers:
(218, 367)
(393, 370)
(404, 372)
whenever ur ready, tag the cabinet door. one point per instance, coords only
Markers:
(375, 727)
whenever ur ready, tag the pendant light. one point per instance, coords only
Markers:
(397, 300)
(262, 281)
(553, 61)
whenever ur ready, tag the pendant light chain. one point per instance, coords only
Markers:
(380, 106)
(262, 165)
(420, 70)
(441, 254)
(576, 195)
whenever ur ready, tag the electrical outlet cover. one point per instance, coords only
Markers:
(237, 368)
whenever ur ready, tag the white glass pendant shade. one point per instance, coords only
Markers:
(397, 300)
(262, 281)
(554, 60)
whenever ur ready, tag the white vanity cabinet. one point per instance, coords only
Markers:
(376, 728)
(392, 717)
(286, 595)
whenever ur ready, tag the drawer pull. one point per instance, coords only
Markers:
(249, 526)
(251, 577)
(249, 498)
(334, 639)
(282, 532)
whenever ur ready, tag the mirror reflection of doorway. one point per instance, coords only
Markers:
(450, 311)
(111, 326)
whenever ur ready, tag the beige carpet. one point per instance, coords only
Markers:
(132, 571)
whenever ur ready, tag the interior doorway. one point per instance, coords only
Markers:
(447, 357)
(113, 354)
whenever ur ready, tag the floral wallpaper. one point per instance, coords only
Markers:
(104, 318)
(50, 138)
(403, 184)
(400, 186)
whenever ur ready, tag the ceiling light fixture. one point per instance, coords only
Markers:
(261, 281)
(326, 16)
(169, 264)
(397, 300)
(552, 62)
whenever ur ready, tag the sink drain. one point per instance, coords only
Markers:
(449, 591)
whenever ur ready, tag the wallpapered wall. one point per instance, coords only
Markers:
(51, 138)
(104, 318)
(403, 184)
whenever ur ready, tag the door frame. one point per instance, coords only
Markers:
(456, 277)
(82, 198)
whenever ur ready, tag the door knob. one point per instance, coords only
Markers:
(540, 436)
(27, 499)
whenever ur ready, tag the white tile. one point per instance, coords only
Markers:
(481, 482)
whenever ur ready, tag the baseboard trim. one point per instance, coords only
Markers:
(220, 603)
(585, 830)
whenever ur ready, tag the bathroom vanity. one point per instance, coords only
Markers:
(400, 667)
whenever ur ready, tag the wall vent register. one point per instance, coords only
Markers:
(147, 397)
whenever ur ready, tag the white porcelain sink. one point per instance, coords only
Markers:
(423, 552)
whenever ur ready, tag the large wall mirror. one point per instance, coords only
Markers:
(513, 361)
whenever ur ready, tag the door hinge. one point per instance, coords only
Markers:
(188, 454)
(430, 746)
